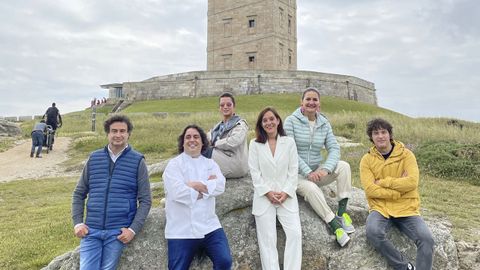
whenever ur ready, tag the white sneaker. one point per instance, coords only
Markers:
(346, 222)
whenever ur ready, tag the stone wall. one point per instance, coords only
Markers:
(264, 30)
(247, 82)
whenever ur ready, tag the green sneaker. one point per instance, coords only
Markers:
(346, 222)
(342, 237)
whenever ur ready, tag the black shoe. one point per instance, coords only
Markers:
(31, 154)
(38, 156)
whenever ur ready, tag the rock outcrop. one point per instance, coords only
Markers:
(9, 129)
(320, 250)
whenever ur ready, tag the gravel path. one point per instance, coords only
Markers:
(16, 163)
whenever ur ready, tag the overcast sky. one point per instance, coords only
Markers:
(422, 55)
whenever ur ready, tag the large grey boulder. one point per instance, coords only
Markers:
(320, 250)
(9, 129)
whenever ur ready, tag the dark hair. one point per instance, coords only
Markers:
(53, 104)
(229, 95)
(181, 138)
(379, 123)
(117, 118)
(310, 89)
(261, 135)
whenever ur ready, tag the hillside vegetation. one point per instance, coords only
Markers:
(448, 153)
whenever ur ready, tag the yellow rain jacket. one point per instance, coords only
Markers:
(393, 195)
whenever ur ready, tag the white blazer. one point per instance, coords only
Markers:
(273, 173)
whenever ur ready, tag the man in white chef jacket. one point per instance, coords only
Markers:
(192, 182)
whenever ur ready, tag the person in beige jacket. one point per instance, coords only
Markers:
(228, 140)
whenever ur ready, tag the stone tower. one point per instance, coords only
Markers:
(252, 34)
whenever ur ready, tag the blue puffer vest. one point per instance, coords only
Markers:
(112, 198)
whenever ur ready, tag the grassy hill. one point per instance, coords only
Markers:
(36, 215)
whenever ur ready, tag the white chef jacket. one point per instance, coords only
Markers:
(187, 216)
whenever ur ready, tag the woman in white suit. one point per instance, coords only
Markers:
(273, 166)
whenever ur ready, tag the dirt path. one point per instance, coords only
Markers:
(16, 163)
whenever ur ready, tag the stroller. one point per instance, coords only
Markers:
(48, 138)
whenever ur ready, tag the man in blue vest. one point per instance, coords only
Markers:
(115, 178)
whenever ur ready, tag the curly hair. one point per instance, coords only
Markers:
(379, 123)
(181, 138)
(118, 118)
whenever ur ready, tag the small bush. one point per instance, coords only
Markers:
(450, 160)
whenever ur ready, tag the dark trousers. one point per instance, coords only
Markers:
(215, 244)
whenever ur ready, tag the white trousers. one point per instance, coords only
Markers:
(267, 238)
(312, 193)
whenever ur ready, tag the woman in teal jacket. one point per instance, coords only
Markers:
(312, 132)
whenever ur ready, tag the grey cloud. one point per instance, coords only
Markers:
(418, 53)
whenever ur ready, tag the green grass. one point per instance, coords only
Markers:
(35, 215)
(456, 200)
(6, 143)
(36, 223)
(252, 103)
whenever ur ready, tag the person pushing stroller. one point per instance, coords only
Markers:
(37, 138)
(54, 119)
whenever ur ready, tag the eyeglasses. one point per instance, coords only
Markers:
(228, 104)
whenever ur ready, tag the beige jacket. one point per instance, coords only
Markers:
(231, 151)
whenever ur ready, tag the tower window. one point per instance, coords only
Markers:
(227, 28)
(251, 56)
(289, 24)
(281, 17)
(252, 24)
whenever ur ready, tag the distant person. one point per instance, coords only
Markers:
(273, 166)
(191, 184)
(389, 175)
(312, 133)
(54, 119)
(37, 138)
(115, 179)
(228, 140)
(53, 116)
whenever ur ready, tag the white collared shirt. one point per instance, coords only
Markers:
(187, 216)
(112, 155)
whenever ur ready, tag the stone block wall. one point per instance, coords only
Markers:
(265, 30)
(247, 82)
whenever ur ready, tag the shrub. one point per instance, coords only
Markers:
(450, 160)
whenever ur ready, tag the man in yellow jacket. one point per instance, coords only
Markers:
(390, 175)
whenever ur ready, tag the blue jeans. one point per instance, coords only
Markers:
(100, 249)
(414, 227)
(37, 140)
(215, 245)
